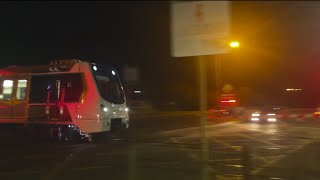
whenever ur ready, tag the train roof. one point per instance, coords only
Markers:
(54, 66)
(24, 69)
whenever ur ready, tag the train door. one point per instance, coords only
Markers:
(20, 99)
(46, 98)
(51, 94)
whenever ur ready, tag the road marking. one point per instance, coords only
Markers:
(273, 131)
(196, 157)
(225, 160)
(91, 167)
(184, 130)
(259, 140)
(21, 172)
(276, 160)
(288, 152)
(213, 131)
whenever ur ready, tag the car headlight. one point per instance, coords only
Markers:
(272, 119)
(255, 114)
(254, 119)
(271, 114)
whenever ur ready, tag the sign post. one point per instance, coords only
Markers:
(200, 28)
(203, 118)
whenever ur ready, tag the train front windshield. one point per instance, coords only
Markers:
(108, 83)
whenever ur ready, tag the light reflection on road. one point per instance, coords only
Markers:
(266, 128)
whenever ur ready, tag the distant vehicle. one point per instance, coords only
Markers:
(68, 99)
(316, 113)
(268, 114)
(217, 112)
(227, 104)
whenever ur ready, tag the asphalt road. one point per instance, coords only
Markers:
(170, 146)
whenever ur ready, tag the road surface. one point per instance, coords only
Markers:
(170, 146)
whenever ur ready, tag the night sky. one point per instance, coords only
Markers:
(280, 44)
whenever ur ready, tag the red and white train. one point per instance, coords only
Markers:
(68, 99)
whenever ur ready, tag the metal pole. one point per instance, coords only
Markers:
(203, 118)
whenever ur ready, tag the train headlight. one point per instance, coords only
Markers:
(105, 109)
(126, 109)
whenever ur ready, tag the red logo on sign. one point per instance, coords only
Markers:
(199, 12)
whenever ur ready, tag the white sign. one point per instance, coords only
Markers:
(199, 28)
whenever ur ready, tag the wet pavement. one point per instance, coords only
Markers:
(172, 147)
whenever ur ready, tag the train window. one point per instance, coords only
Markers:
(21, 89)
(7, 87)
(108, 84)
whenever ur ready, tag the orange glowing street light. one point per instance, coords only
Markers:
(234, 44)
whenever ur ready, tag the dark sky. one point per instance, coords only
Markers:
(279, 43)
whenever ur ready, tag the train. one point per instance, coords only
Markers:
(67, 99)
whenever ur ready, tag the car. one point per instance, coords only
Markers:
(268, 114)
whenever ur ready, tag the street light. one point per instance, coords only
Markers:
(218, 68)
(234, 44)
